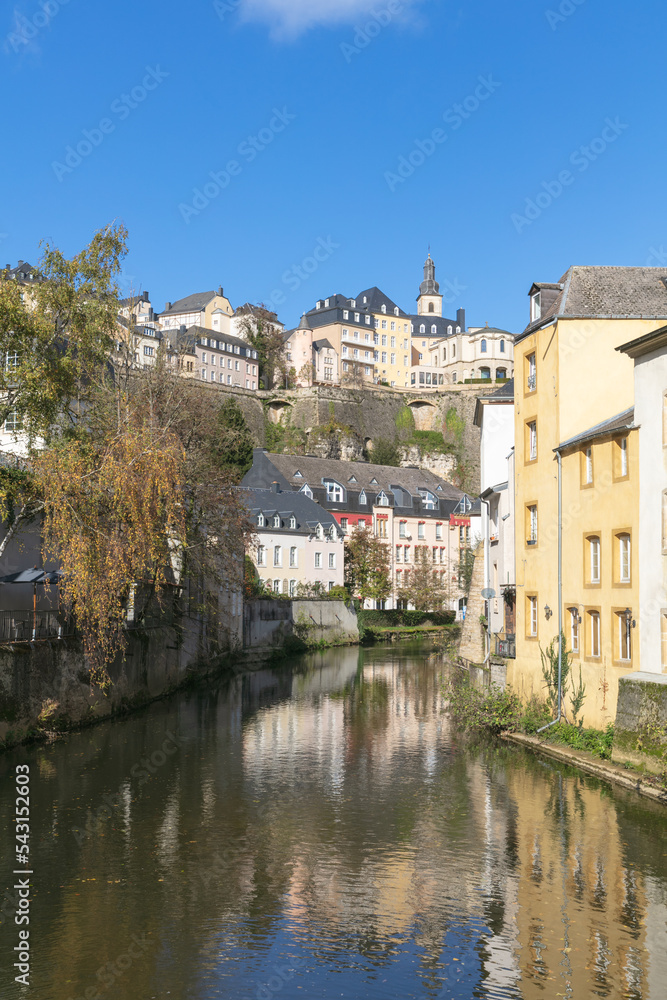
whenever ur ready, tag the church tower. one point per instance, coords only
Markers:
(429, 301)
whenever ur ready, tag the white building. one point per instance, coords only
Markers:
(494, 415)
(477, 353)
(650, 415)
(296, 541)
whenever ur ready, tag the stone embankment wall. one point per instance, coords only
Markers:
(268, 625)
(47, 681)
(338, 422)
(640, 731)
(472, 646)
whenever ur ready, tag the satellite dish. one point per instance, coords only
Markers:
(488, 594)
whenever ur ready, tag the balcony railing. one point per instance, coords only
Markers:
(29, 626)
(532, 382)
(506, 647)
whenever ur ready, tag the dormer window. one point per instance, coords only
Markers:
(318, 305)
(535, 306)
(365, 300)
(395, 310)
(332, 531)
(306, 490)
(434, 328)
(356, 317)
(362, 498)
(292, 522)
(374, 482)
(346, 314)
(368, 321)
(260, 520)
(422, 328)
(458, 329)
(297, 475)
(353, 303)
(326, 303)
(335, 492)
(384, 307)
(429, 501)
(276, 521)
(320, 531)
(352, 479)
(382, 500)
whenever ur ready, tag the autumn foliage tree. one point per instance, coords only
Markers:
(423, 588)
(367, 571)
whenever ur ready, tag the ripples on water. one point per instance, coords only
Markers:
(324, 834)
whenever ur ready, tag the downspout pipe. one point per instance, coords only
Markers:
(487, 531)
(559, 459)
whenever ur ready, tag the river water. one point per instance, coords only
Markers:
(323, 832)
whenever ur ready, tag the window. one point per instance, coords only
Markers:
(318, 560)
(261, 555)
(260, 520)
(434, 328)
(381, 525)
(573, 615)
(383, 499)
(276, 586)
(13, 422)
(431, 307)
(277, 555)
(624, 635)
(343, 525)
(421, 527)
(620, 447)
(624, 558)
(149, 351)
(531, 430)
(531, 373)
(501, 372)
(535, 307)
(594, 559)
(438, 532)
(332, 560)
(406, 553)
(587, 467)
(335, 492)
(531, 617)
(429, 501)
(531, 524)
(292, 588)
(292, 522)
(203, 357)
(11, 359)
(593, 633)
(293, 556)
(402, 526)
(319, 532)
(482, 346)
(399, 549)
(502, 346)
(435, 554)
(362, 498)
(422, 328)
(306, 490)
(276, 521)
(392, 359)
(485, 373)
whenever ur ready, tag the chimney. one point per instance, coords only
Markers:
(275, 487)
(461, 319)
(8, 267)
(181, 330)
(167, 306)
(21, 262)
(220, 291)
(145, 297)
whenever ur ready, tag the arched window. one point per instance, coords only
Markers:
(422, 328)
(501, 372)
(384, 308)
(362, 498)
(485, 373)
(434, 328)
(431, 307)
(482, 346)
(502, 346)
(395, 310)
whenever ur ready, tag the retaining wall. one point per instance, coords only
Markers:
(640, 731)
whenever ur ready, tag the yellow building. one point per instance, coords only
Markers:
(574, 397)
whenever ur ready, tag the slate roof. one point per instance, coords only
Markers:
(604, 293)
(440, 322)
(376, 299)
(287, 503)
(134, 300)
(314, 470)
(195, 333)
(23, 272)
(505, 391)
(191, 303)
(503, 394)
(319, 344)
(621, 422)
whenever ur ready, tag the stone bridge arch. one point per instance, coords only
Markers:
(278, 409)
(425, 413)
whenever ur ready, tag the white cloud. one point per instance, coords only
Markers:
(289, 18)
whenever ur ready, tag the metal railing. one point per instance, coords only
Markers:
(532, 382)
(29, 626)
(506, 647)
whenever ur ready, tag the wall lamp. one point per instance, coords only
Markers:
(547, 612)
(629, 619)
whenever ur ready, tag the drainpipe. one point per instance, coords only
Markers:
(559, 459)
(487, 524)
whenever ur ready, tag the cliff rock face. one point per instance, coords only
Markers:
(338, 422)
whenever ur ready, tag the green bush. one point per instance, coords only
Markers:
(489, 709)
(394, 618)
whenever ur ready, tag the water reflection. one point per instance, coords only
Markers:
(322, 831)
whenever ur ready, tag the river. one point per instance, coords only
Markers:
(322, 832)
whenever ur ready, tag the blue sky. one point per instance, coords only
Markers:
(303, 112)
